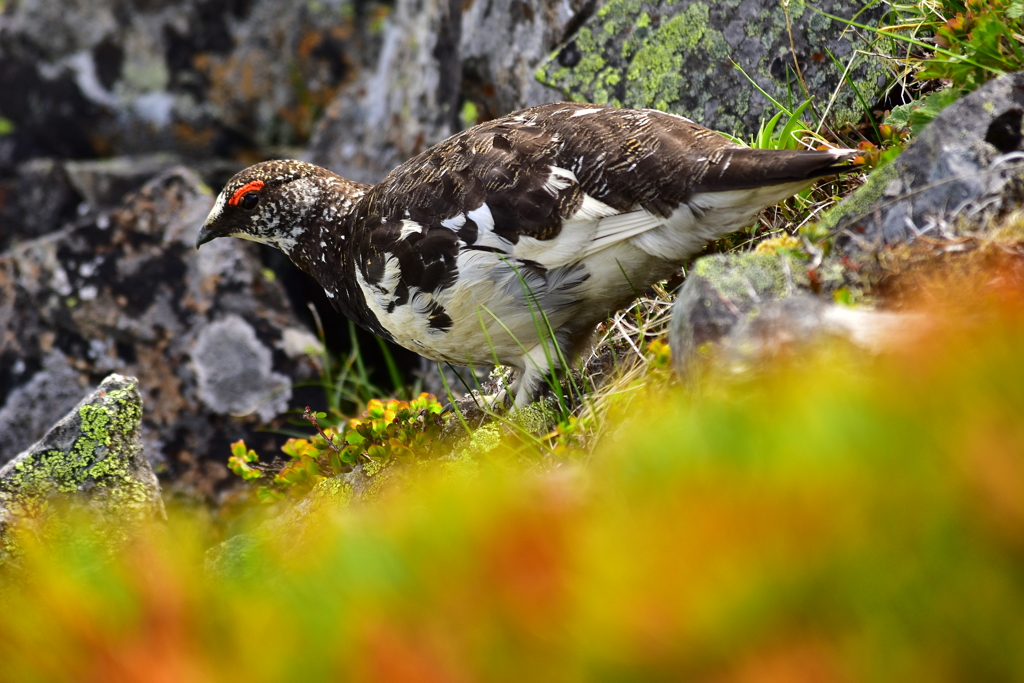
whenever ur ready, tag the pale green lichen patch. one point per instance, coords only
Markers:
(880, 183)
(658, 75)
(372, 468)
(334, 490)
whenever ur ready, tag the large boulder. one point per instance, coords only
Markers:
(37, 198)
(737, 312)
(90, 462)
(694, 58)
(210, 334)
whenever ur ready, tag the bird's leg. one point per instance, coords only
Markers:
(541, 367)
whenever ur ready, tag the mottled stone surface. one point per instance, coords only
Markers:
(94, 77)
(102, 183)
(90, 461)
(678, 56)
(29, 408)
(126, 291)
(37, 198)
(962, 170)
(235, 370)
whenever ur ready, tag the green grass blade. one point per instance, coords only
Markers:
(394, 374)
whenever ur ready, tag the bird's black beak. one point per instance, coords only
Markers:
(207, 234)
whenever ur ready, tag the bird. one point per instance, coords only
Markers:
(509, 242)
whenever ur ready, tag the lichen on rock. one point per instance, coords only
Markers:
(698, 59)
(90, 462)
(235, 371)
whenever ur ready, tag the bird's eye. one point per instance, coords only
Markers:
(249, 200)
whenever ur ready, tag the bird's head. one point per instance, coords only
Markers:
(271, 202)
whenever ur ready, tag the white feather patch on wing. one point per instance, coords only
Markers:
(567, 247)
(592, 208)
(408, 228)
(481, 215)
(409, 323)
(579, 236)
(559, 179)
(485, 235)
(709, 216)
(621, 227)
(455, 222)
(385, 289)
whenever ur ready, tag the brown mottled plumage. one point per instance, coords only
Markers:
(566, 209)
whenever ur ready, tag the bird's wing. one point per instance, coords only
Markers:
(554, 184)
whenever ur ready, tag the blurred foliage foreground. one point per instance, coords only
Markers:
(837, 518)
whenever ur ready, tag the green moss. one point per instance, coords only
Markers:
(736, 274)
(863, 199)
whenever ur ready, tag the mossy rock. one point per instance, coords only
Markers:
(738, 301)
(91, 463)
(689, 57)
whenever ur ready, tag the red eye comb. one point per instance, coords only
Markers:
(240, 192)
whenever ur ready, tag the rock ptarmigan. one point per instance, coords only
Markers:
(516, 234)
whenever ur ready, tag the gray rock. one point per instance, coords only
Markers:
(964, 168)
(678, 56)
(29, 409)
(126, 291)
(89, 77)
(738, 311)
(39, 198)
(91, 461)
(105, 182)
(45, 195)
(234, 371)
